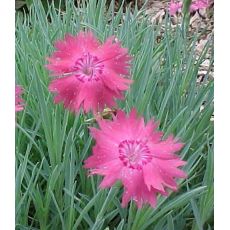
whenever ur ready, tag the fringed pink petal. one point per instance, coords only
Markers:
(19, 106)
(129, 151)
(97, 72)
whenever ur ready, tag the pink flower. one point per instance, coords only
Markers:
(199, 4)
(128, 150)
(18, 100)
(174, 7)
(91, 74)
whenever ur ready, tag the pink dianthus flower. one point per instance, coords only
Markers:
(199, 4)
(174, 7)
(134, 153)
(18, 100)
(91, 74)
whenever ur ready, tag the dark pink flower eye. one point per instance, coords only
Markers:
(134, 153)
(88, 68)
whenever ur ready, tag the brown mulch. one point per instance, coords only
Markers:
(201, 21)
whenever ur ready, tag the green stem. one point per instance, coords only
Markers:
(186, 15)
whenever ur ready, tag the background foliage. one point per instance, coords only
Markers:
(53, 190)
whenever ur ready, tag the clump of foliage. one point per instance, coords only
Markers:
(53, 190)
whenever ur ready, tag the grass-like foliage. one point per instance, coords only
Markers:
(53, 190)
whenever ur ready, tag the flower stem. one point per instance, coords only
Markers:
(186, 15)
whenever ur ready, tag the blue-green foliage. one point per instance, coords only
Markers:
(53, 190)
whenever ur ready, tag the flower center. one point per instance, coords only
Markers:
(134, 154)
(88, 68)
